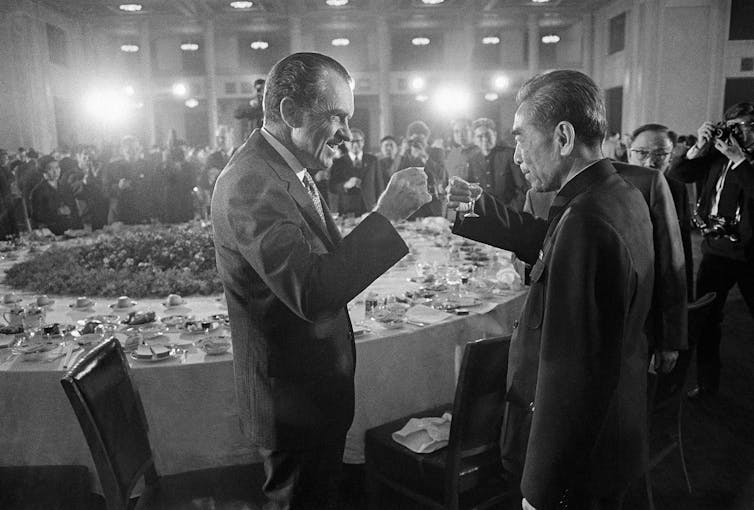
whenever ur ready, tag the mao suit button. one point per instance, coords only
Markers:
(531, 407)
(515, 324)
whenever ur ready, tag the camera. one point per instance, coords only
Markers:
(717, 227)
(722, 130)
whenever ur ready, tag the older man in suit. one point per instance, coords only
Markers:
(288, 276)
(579, 353)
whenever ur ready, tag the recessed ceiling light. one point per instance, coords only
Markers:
(491, 39)
(418, 83)
(130, 7)
(550, 38)
(540, 1)
(259, 45)
(189, 46)
(491, 96)
(422, 98)
(432, 2)
(191, 102)
(336, 3)
(180, 89)
(129, 48)
(501, 82)
(420, 41)
(242, 5)
(340, 41)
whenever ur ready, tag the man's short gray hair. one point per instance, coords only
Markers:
(565, 96)
(300, 77)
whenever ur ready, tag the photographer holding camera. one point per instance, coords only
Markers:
(723, 158)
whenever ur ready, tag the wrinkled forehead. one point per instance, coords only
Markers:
(337, 95)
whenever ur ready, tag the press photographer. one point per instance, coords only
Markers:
(723, 158)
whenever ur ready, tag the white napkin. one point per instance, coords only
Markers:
(425, 314)
(424, 435)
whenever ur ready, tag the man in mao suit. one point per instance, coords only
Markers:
(726, 164)
(288, 276)
(578, 357)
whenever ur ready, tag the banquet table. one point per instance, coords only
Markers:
(189, 399)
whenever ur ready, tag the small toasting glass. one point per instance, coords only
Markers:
(476, 191)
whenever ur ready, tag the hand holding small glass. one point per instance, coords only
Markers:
(462, 192)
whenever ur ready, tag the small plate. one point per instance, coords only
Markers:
(148, 331)
(176, 321)
(73, 306)
(106, 318)
(114, 306)
(215, 345)
(36, 348)
(152, 359)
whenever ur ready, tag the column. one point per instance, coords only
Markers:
(587, 42)
(145, 49)
(385, 113)
(532, 25)
(211, 83)
(295, 34)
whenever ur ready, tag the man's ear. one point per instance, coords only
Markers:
(565, 136)
(290, 113)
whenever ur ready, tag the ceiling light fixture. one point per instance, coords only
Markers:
(191, 102)
(340, 41)
(129, 48)
(501, 82)
(130, 7)
(491, 96)
(420, 41)
(550, 38)
(259, 45)
(491, 39)
(242, 5)
(336, 3)
(418, 83)
(189, 46)
(422, 98)
(432, 2)
(180, 89)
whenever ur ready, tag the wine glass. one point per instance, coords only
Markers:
(476, 192)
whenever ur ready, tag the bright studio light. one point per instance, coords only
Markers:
(180, 90)
(129, 48)
(130, 7)
(129, 91)
(491, 39)
(336, 3)
(550, 38)
(108, 106)
(452, 101)
(491, 96)
(418, 83)
(242, 5)
(340, 41)
(191, 102)
(420, 41)
(501, 82)
(259, 45)
(189, 46)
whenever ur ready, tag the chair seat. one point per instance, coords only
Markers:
(424, 473)
(226, 488)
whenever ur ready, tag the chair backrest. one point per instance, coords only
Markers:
(112, 418)
(667, 386)
(479, 402)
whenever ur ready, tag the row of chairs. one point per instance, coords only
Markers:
(465, 474)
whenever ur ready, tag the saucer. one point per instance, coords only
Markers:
(114, 306)
(73, 306)
(46, 305)
(18, 299)
(176, 305)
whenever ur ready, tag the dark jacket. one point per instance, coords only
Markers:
(578, 357)
(503, 178)
(287, 280)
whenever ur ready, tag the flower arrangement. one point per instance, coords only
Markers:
(140, 261)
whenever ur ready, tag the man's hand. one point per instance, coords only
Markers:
(665, 361)
(405, 193)
(705, 136)
(124, 184)
(458, 193)
(526, 506)
(353, 182)
(731, 149)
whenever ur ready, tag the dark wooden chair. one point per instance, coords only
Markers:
(467, 473)
(665, 397)
(109, 409)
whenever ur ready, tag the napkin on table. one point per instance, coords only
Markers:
(424, 435)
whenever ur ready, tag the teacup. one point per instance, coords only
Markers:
(43, 300)
(10, 298)
(174, 300)
(83, 302)
(14, 317)
(123, 302)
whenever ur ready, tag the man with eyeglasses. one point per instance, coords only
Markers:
(723, 158)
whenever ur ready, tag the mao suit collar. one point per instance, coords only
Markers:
(593, 173)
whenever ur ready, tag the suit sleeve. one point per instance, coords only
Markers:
(271, 234)
(504, 228)
(670, 290)
(692, 170)
(590, 287)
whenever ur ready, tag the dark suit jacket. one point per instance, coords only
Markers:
(360, 199)
(503, 178)
(579, 355)
(709, 168)
(46, 202)
(683, 210)
(287, 280)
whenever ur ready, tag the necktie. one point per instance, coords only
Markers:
(311, 188)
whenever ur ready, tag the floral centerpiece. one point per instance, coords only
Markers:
(139, 261)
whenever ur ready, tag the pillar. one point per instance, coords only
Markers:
(385, 113)
(211, 79)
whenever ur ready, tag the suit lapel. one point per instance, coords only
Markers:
(295, 188)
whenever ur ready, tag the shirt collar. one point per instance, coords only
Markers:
(287, 155)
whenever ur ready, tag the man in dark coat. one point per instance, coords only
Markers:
(578, 357)
(725, 163)
(288, 276)
(48, 206)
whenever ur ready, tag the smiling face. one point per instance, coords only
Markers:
(537, 154)
(324, 125)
